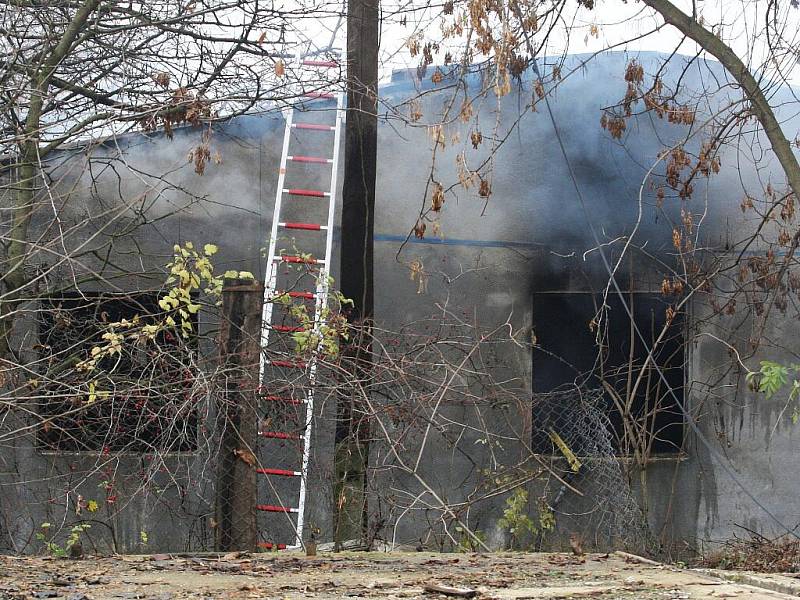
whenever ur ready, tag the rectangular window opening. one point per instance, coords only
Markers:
(139, 399)
(576, 356)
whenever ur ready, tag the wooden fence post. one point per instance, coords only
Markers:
(239, 352)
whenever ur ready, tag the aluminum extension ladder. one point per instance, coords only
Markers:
(322, 102)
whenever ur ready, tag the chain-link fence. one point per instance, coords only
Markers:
(591, 497)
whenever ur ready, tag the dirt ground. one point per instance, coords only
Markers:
(362, 575)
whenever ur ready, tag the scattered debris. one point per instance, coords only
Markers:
(635, 558)
(76, 550)
(159, 557)
(369, 575)
(576, 543)
(433, 588)
(756, 553)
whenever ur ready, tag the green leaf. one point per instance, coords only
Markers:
(773, 377)
(210, 249)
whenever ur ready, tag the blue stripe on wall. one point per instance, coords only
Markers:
(385, 237)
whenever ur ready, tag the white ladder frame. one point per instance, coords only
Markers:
(322, 287)
(321, 303)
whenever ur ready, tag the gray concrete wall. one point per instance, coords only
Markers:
(531, 235)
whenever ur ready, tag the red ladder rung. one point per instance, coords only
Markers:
(302, 192)
(314, 127)
(273, 508)
(287, 328)
(286, 399)
(310, 159)
(290, 258)
(320, 63)
(288, 363)
(280, 435)
(320, 95)
(281, 472)
(270, 546)
(306, 226)
(306, 295)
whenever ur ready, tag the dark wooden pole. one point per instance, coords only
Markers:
(239, 348)
(360, 157)
(356, 279)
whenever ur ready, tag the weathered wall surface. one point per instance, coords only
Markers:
(493, 254)
(122, 206)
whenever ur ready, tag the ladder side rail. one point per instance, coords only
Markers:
(321, 302)
(334, 191)
(272, 265)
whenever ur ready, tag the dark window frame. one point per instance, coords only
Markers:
(75, 428)
(671, 425)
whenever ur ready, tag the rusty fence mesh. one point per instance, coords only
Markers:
(594, 501)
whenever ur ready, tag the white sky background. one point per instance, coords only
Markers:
(741, 24)
(613, 24)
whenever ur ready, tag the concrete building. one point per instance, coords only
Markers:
(526, 255)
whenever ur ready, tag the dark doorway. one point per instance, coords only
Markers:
(577, 345)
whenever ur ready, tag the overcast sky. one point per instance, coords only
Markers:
(616, 24)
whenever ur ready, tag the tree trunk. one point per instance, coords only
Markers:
(14, 279)
(734, 65)
(356, 281)
(759, 105)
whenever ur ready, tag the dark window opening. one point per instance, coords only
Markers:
(139, 399)
(573, 351)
